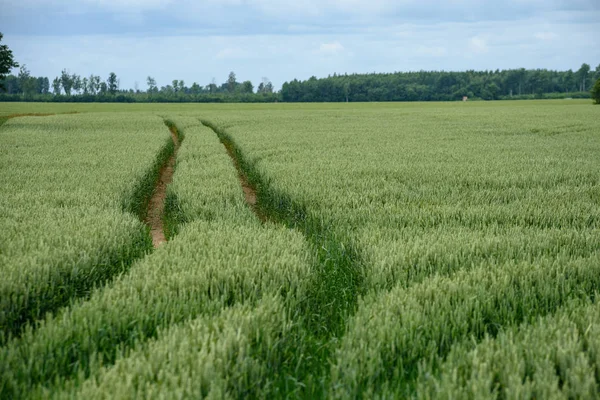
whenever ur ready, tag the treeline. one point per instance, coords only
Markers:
(443, 86)
(73, 88)
(399, 86)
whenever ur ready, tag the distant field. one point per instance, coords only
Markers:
(21, 108)
(391, 250)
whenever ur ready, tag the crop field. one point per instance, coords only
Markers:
(418, 250)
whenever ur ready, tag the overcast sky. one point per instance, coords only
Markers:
(198, 40)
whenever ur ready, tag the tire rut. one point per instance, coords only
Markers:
(5, 118)
(334, 288)
(249, 189)
(156, 205)
(81, 286)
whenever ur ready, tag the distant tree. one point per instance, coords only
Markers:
(103, 88)
(596, 92)
(231, 82)
(265, 86)
(175, 85)
(212, 86)
(346, 90)
(181, 86)
(91, 85)
(11, 84)
(196, 89)
(94, 84)
(269, 88)
(7, 62)
(42, 85)
(151, 82)
(493, 90)
(582, 74)
(112, 83)
(167, 89)
(66, 80)
(24, 83)
(569, 81)
(56, 84)
(77, 84)
(85, 86)
(247, 87)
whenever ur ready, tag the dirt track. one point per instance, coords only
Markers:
(156, 205)
(249, 190)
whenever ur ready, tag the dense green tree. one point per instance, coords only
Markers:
(583, 75)
(27, 83)
(112, 83)
(212, 87)
(398, 86)
(7, 61)
(433, 85)
(596, 75)
(265, 86)
(85, 86)
(94, 84)
(231, 82)
(247, 87)
(151, 82)
(196, 89)
(56, 84)
(43, 85)
(77, 83)
(596, 92)
(66, 81)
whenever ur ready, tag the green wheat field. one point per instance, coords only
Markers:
(395, 250)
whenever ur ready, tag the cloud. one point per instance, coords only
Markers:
(434, 51)
(331, 49)
(231, 54)
(478, 45)
(86, 6)
(284, 40)
(232, 17)
(545, 35)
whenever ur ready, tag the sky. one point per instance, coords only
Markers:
(202, 40)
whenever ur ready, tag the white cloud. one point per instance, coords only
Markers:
(231, 53)
(298, 47)
(284, 8)
(135, 4)
(545, 35)
(331, 49)
(478, 45)
(433, 51)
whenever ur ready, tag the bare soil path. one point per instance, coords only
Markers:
(5, 118)
(247, 187)
(156, 205)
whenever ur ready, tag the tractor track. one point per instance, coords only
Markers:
(156, 204)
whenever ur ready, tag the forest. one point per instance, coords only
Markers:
(398, 86)
(444, 86)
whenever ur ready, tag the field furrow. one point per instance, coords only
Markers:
(393, 335)
(309, 251)
(220, 257)
(64, 230)
(553, 357)
(427, 198)
(155, 213)
(335, 285)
